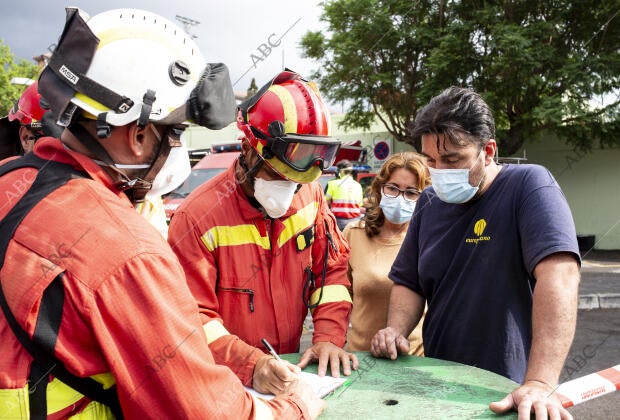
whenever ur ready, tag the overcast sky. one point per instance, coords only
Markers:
(229, 31)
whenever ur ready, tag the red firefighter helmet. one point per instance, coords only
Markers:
(288, 125)
(27, 110)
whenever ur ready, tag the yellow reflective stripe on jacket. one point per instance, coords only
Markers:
(14, 402)
(298, 222)
(105, 379)
(234, 235)
(332, 293)
(61, 396)
(94, 411)
(214, 330)
(263, 412)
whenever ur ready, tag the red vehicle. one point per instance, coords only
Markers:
(206, 168)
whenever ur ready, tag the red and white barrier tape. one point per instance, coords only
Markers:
(588, 387)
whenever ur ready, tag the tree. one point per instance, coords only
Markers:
(538, 64)
(9, 93)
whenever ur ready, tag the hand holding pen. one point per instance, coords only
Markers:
(270, 349)
(314, 404)
(272, 375)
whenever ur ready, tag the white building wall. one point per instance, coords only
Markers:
(591, 184)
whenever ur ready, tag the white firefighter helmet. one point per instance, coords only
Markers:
(129, 65)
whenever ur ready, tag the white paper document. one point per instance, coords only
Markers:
(322, 385)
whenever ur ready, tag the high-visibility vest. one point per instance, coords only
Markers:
(346, 197)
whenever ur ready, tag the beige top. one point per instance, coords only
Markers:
(369, 264)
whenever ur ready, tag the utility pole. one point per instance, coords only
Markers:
(187, 24)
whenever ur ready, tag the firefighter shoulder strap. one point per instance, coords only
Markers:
(51, 175)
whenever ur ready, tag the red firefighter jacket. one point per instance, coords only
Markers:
(250, 270)
(128, 314)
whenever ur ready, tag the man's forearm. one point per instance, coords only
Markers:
(405, 310)
(554, 316)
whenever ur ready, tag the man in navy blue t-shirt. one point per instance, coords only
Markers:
(492, 249)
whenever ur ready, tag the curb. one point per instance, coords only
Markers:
(599, 301)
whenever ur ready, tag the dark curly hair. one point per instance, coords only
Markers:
(415, 163)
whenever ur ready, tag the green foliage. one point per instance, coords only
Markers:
(9, 69)
(538, 64)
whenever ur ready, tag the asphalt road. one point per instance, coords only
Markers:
(600, 273)
(596, 347)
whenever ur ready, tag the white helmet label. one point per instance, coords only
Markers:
(68, 74)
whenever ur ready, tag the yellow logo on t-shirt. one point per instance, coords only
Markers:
(479, 228)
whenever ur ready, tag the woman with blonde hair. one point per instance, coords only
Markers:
(375, 241)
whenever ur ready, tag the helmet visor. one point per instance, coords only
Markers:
(302, 154)
(301, 151)
(18, 114)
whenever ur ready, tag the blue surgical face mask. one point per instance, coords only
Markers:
(396, 209)
(452, 185)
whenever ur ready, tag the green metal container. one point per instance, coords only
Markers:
(412, 387)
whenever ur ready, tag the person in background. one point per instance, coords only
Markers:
(24, 123)
(492, 250)
(98, 321)
(375, 241)
(258, 243)
(344, 195)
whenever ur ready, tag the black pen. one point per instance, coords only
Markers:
(270, 349)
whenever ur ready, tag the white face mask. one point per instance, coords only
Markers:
(174, 171)
(275, 196)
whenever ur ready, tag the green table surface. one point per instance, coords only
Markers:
(412, 387)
